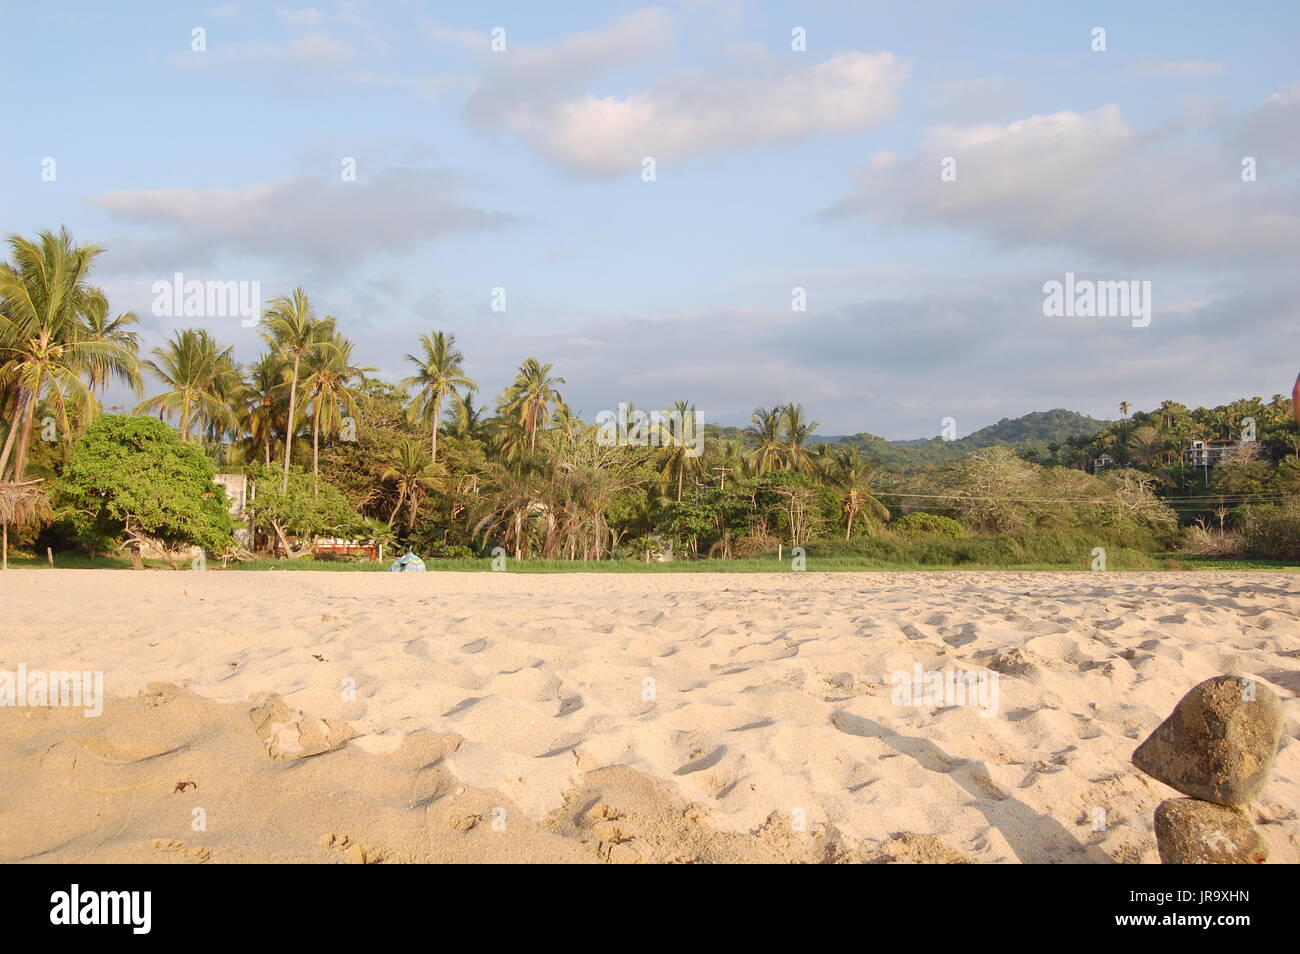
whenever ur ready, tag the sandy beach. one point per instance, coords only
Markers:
(620, 718)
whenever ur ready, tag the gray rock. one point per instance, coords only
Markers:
(841, 680)
(1192, 832)
(1219, 742)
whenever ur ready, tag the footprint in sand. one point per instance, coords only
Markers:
(353, 851)
(198, 854)
(615, 832)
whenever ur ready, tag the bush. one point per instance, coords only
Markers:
(756, 544)
(1273, 532)
(448, 551)
(1200, 540)
(1125, 548)
(921, 523)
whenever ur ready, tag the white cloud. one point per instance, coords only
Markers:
(1272, 132)
(1084, 181)
(695, 114)
(525, 76)
(540, 95)
(330, 225)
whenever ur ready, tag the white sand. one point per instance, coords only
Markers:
(533, 688)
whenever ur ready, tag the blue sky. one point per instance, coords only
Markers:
(775, 169)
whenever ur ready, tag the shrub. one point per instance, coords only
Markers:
(921, 523)
(1273, 532)
(756, 544)
(1200, 540)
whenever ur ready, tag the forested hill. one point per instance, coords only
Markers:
(1037, 430)
(1042, 427)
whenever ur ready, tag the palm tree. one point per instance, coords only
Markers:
(100, 327)
(766, 428)
(293, 331)
(1123, 412)
(511, 511)
(466, 419)
(851, 476)
(676, 458)
(414, 474)
(329, 372)
(46, 345)
(440, 373)
(797, 432)
(264, 404)
(201, 380)
(528, 401)
(1146, 444)
(726, 457)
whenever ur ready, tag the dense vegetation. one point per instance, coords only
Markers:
(424, 463)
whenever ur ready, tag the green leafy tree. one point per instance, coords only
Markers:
(302, 507)
(133, 480)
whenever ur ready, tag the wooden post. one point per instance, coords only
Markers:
(49, 555)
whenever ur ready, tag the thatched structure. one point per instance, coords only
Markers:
(21, 504)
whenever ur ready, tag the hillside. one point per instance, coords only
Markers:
(1035, 431)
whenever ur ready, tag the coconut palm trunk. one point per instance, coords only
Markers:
(20, 403)
(25, 437)
(401, 499)
(288, 434)
(315, 451)
(433, 441)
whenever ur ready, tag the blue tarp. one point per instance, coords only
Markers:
(408, 562)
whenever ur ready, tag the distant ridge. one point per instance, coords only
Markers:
(1036, 430)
